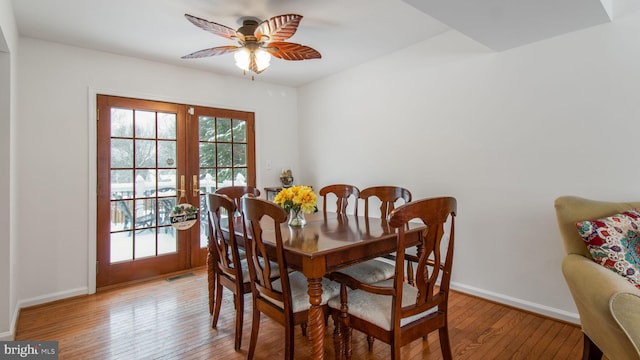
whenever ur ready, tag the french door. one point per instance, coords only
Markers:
(153, 156)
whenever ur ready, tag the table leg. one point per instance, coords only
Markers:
(315, 322)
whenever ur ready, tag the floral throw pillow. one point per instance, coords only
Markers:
(614, 242)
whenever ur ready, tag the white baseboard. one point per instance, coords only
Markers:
(53, 297)
(10, 335)
(518, 303)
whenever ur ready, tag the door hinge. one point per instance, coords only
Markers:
(98, 115)
(97, 267)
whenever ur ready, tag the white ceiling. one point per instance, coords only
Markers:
(345, 32)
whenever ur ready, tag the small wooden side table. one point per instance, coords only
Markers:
(271, 192)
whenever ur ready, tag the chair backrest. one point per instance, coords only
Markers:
(387, 195)
(237, 192)
(571, 209)
(342, 193)
(225, 251)
(432, 265)
(257, 255)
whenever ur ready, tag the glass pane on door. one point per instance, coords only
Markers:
(223, 159)
(143, 184)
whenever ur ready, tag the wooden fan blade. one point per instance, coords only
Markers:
(211, 52)
(291, 51)
(278, 28)
(214, 28)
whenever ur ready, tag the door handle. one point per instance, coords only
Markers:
(182, 190)
(196, 188)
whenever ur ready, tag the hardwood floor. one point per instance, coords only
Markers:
(159, 319)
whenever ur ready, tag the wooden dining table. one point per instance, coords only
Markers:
(326, 244)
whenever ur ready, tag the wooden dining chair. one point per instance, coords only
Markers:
(341, 193)
(369, 271)
(228, 269)
(394, 311)
(283, 299)
(387, 196)
(237, 192)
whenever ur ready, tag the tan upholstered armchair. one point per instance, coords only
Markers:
(608, 304)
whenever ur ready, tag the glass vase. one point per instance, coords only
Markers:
(296, 217)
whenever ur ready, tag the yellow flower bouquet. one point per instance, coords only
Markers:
(297, 200)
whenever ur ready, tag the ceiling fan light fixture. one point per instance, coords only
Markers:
(242, 57)
(263, 59)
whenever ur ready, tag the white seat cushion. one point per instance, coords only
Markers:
(377, 308)
(370, 271)
(299, 296)
(275, 272)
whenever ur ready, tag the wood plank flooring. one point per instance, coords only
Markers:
(159, 319)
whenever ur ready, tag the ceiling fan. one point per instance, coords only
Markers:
(258, 41)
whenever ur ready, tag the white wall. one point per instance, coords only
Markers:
(8, 56)
(56, 145)
(505, 133)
